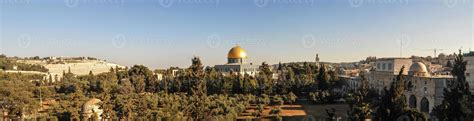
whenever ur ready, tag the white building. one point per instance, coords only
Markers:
(353, 82)
(392, 65)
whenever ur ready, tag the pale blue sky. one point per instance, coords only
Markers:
(164, 33)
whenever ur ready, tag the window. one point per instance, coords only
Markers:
(425, 89)
(378, 66)
(425, 105)
(383, 66)
(390, 66)
(412, 101)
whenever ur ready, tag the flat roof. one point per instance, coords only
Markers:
(392, 58)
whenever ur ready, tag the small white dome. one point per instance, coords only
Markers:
(418, 69)
(91, 107)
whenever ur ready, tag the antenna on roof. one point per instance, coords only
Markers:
(401, 48)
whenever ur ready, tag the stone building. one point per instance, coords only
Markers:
(424, 90)
(470, 69)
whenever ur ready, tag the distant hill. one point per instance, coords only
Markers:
(54, 67)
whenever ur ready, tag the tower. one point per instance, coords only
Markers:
(316, 60)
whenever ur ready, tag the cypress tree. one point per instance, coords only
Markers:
(394, 105)
(457, 97)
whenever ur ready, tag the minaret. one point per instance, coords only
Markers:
(317, 59)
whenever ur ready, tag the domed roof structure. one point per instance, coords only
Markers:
(237, 52)
(418, 69)
(91, 107)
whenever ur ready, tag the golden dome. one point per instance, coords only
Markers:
(237, 52)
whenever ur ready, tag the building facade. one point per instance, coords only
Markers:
(424, 90)
(470, 70)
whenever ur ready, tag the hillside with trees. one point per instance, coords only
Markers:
(202, 93)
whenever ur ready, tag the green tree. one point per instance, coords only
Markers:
(359, 102)
(323, 78)
(142, 79)
(393, 104)
(449, 64)
(249, 84)
(17, 98)
(198, 90)
(265, 80)
(457, 104)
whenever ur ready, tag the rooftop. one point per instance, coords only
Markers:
(391, 58)
(471, 53)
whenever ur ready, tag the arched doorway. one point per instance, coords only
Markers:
(425, 105)
(412, 101)
(403, 118)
